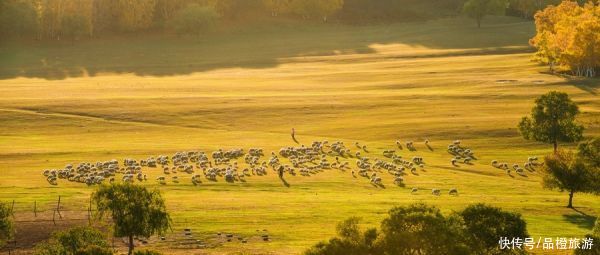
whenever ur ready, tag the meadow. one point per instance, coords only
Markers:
(442, 80)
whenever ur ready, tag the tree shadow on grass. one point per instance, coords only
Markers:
(284, 182)
(581, 219)
(589, 85)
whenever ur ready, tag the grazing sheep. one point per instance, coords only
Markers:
(436, 192)
(453, 192)
(398, 180)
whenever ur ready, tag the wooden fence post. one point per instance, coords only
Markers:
(90, 212)
(58, 208)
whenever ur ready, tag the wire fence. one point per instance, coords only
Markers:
(35, 221)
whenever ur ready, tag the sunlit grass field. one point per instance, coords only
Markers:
(144, 96)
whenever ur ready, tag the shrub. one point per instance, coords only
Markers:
(147, 252)
(77, 240)
(486, 224)
(422, 229)
(6, 224)
(94, 250)
(351, 240)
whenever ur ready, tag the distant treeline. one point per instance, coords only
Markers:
(73, 19)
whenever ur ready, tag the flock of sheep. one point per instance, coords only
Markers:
(295, 160)
(529, 165)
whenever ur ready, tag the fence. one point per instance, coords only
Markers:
(35, 221)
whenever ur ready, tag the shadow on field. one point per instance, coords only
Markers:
(585, 84)
(265, 47)
(581, 219)
(284, 182)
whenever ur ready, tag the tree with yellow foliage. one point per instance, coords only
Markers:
(568, 37)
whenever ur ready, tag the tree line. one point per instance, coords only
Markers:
(53, 19)
(74, 19)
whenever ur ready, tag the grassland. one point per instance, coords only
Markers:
(139, 97)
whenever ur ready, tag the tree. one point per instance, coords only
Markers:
(308, 9)
(239, 9)
(421, 229)
(478, 9)
(135, 210)
(76, 26)
(77, 240)
(351, 240)
(595, 235)
(6, 224)
(589, 151)
(552, 120)
(564, 171)
(485, 225)
(194, 19)
(276, 7)
(17, 18)
(528, 8)
(568, 36)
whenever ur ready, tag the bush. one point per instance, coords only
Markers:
(6, 224)
(77, 240)
(422, 229)
(94, 250)
(194, 19)
(147, 252)
(486, 224)
(351, 240)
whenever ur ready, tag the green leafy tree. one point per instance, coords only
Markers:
(351, 240)
(135, 210)
(422, 229)
(589, 151)
(478, 9)
(485, 225)
(195, 19)
(552, 120)
(6, 224)
(77, 240)
(564, 171)
(595, 236)
(94, 250)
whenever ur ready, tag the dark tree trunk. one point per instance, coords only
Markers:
(478, 22)
(130, 245)
(570, 200)
(555, 144)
